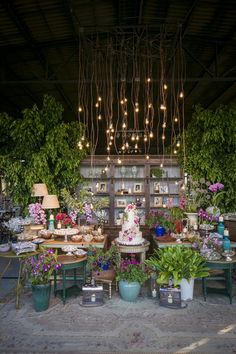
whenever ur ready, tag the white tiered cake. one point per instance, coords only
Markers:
(130, 234)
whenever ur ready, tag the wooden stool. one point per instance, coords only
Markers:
(105, 277)
(69, 263)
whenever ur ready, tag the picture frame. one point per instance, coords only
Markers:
(102, 187)
(164, 189)
(156, 187)
(158, 202)
(121, 203)
(138, 188)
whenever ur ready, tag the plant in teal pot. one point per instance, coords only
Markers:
(130, 276)
(38, 269)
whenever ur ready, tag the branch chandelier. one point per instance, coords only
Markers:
(130, 92)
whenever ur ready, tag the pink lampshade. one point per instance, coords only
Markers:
(39, 190)
(50, 201)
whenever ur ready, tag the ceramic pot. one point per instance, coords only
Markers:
(41, 296)
(187, 289)
(159, 230)
(129, 291)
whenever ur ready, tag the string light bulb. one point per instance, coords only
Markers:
(108, 158)
(119, 161)
(163, 107)
(99, 99)
(178, 144)
(146, 121)
(87, 145)
(163, 137)
(165, 87)
(181, 95)
(99, 117)
(147, 157)
(80, 109)
(148, 79)
(133, 137)
(176, 119)
(175, 151)
(124, 125)
(151, 134)
(164, 125)
(97, 105)
(136, 109)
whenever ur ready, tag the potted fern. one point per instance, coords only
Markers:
(179, 264)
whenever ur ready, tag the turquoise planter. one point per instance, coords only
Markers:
(129, 291)
(41, 296)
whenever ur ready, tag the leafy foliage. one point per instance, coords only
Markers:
(210, 145)
(98, 258)
(39, 147)
(177, 263)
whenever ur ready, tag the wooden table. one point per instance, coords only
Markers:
(69, 263)
(54, 243)
(11, 256)
(227, 267)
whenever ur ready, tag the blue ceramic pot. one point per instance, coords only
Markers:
(159, 230)
(129, 291)
(104, 266)
(41, 296)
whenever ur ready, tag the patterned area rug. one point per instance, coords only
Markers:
(119, 326)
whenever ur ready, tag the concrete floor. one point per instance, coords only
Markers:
(117, 326)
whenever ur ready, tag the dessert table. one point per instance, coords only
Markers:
(54, 243)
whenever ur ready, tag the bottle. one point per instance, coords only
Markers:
(226, 241)
(221, 226)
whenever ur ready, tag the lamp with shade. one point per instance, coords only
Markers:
(39, 190)
(50, 202)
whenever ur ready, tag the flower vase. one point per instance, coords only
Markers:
(41, 296)
(159, 230)
(129, 291)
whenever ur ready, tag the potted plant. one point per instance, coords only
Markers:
(160, 221)
(103, 262)
(156, 172)
(180, 265)
(130, 275)
(38, 269)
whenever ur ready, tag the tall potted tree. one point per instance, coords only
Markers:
(39, 147)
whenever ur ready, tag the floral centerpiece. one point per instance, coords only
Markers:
(37, 213)
(39, 269)
(65, 220)
(210, 246)
(160, 218)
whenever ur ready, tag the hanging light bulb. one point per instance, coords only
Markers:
(161, 165)
(119, 161)
(80, 109)
(137, 137)
(136, 146)
(151, 134)
(163, 107)
(108, 131)
(97, 104)
(99, 117)
(108, 148)
(163, 137)
(145, 138)
(83, 138)
(148, 79)
(87, 145)
(175, 152)
(133, 137)
(123, 147)
(108, 158)
(147, 157)
(181, 95)
(112, 130)
(178, 144)
(176, 119)
(121, 102)
(106, 168)
(150, 105)
(127, 144)
(125, 99)
(124, 125)
(146, 121)
(136, 104)
(111, 126)
(112, 137)
(165, 87)
(164, 205)
(136, 109)
(99, 99)
(164, 125)
(110, 142)
(125, 113)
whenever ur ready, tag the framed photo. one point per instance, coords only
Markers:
(170, 202)
(121, 203)
(158, 201)
(102, 187)
(164, 189)
(138, 187)
(156, 187)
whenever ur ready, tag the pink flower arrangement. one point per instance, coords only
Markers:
(37, 213)
(65, 219)
(214, 188)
